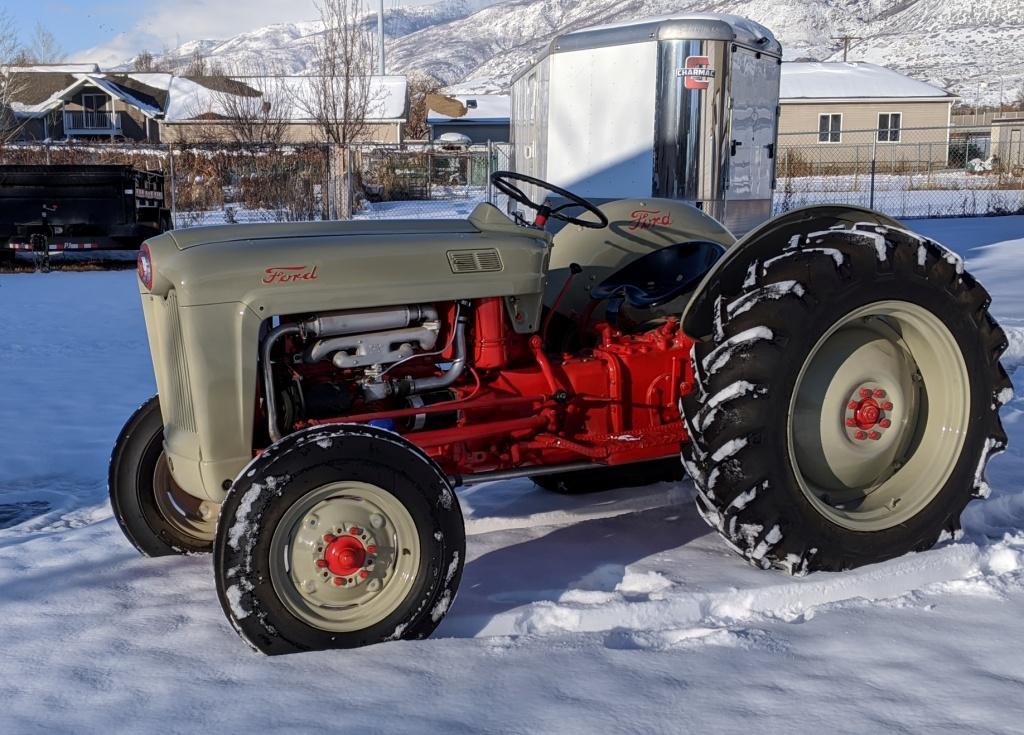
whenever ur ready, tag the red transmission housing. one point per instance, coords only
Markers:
(518, 406)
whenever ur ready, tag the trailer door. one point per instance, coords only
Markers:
(754, 129)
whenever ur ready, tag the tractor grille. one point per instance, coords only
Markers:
(474, 261)
(177, 405)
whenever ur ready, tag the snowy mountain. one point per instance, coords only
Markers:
(969, 46)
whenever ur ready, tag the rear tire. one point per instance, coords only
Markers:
(601, 479)
(156, 515)
(848, 402)
(338, 537)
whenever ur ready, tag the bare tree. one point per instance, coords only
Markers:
(144, 62)
(196, 66)
(44, 48)
(340, 96)
(254, 104)
(12, 83)
(420, 86)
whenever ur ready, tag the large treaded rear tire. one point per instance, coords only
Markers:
(747, 372)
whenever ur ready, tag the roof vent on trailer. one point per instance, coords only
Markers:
(474, 261)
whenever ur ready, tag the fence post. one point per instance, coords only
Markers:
(874, 166)
(170, 173)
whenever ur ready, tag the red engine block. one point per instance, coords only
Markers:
(614, 403)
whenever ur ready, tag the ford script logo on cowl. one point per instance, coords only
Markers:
(288, 274)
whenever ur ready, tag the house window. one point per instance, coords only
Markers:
(889, 127)
(830, 127)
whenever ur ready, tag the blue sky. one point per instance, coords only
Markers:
(109, 31)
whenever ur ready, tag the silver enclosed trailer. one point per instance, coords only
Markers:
(682, 107)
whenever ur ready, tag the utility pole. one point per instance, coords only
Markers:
(380, 37)
(846, 43)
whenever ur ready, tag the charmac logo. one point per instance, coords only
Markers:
(288, 274)
(696, 72)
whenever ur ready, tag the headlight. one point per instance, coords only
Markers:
(145, 267)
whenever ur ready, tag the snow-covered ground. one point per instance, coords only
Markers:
(617, 612)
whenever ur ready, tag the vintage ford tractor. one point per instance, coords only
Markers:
(832, 380)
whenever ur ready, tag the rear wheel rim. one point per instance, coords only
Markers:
(345, 556)
(191, 518)
(879, 415)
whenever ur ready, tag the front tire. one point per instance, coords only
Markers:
(338, 537)
(847, 403)
(155, 514)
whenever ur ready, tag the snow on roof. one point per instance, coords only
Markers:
(154, 79)
(850, 80)
(480, 108)
(65, 68)
(189, 98)
(64, 84)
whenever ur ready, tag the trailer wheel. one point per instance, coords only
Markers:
(157, 516)
(338, 537)
(600, 479)
(847, 403)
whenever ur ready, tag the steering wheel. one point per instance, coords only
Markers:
(502, 180)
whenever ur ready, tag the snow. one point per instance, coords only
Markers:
(614, 612)
(187, 99)
(849, 80)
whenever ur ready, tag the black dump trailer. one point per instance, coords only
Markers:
(68, 207)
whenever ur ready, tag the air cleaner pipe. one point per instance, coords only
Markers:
(268, 375)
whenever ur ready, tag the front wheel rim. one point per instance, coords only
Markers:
(191, 519)
(345, 556)
(879, 415)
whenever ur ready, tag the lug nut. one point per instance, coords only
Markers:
(860, 435)
(355, 530)
(865, 393)
(363, 574)
(874, 436)
(879, 393)
(851, 422)
(321, 563)
(338, 581)
(328, 537)
(371, 549)
(852, 405)
(885, 423)
(887, 406)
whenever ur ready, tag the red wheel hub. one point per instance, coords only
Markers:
(345, 556)
(866, 414)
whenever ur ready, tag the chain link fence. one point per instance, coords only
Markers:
(423, 181)
(920, 172)
(227, 184)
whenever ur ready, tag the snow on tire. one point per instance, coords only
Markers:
(338, 537)
(848, 401)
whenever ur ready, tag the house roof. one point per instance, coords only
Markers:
(204, 98)
(37, 92)
(480, 108)
(840, 80)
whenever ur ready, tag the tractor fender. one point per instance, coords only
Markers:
(636, 227)
(761, 243)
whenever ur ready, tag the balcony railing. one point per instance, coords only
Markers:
(90, 122)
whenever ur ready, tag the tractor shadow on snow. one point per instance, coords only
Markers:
(591, 555)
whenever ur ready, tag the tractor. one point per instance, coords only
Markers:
(831, 379)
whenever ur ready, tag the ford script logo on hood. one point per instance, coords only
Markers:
(288, 274)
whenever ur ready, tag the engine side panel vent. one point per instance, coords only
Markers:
(475, 261)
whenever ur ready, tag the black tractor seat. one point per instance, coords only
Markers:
(660, 276)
